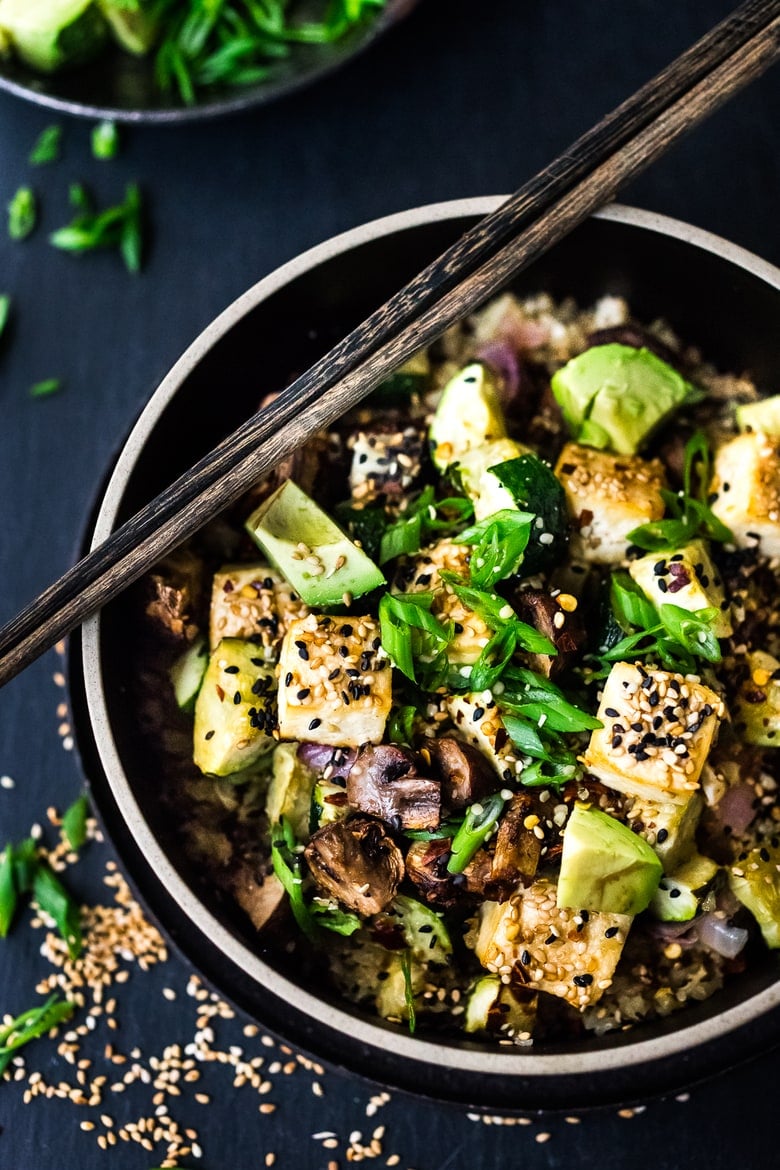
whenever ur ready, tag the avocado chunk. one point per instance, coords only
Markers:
(679, 895)
(235, 710)
(669, 826)
(604, 866)
(133, 25)
(755, 879)
(328, 804)
(187, 673)
(756, 712)
(469, 414)
(761, 416)
(494, 1007)
(615, 396)
(50, 34)
(310, 550)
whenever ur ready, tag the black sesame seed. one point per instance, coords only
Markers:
(661, 836)
(303, 653)
(426, 929)
(343, 652)
(288, 678)
(208, 735)
(231, 670)
(347, 630)
(663, 587)
(304, 692)
(314, 724)
(478, 713)
(675, 893)
(610, 932)
(334, 674)
(659, 568)
(525, 958)
(583, 980)
(611, 712)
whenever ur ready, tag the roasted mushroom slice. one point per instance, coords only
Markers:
(174, 595)
(260, 895)
(384, 781)
(517, 847)
(561, 625)
(464, 773)
(426, 867)
(356, 862)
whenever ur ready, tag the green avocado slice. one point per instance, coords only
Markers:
(310, 550)
(615, 395)
(605, 866)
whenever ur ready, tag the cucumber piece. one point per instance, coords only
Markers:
(755, 880)
(469, 415)
(424, 931)
(187, 673)
(328, 804)
(493, 1007)
(51, 34)
(678, 896)
(533, 487)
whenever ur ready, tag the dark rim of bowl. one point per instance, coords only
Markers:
(416, 1049)
(219, 104)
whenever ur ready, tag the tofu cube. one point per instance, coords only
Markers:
(686, 577)
(668, 826)
(559, 951)
(478, 722)
(384, 463)
(636, 754)
(746, 484)
(607, 496)
(421, 575)
(335, 681)
(253, 601)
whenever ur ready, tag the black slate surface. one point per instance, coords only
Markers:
(464, 99)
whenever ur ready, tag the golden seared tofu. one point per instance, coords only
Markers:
(684, 577)
(253, 601)
(607, 496)
(657, 731)
(335, 681)
(421, 574)
(384, 463)
(568, 953)
(746, 487)
(668, 826)
(478, 722)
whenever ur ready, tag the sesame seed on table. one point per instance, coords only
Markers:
(155, 1068)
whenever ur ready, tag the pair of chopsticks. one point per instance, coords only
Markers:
(553, 203)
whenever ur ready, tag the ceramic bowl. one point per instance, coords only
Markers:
(716, 296)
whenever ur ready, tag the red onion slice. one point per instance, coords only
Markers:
(720, 936)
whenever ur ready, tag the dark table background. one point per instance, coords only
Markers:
(465, 98)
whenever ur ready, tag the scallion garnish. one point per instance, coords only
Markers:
(406, 967)
(22, 214)
(499, 543)
(674, 636)
(411, 635)
(5, 311)
(74, 822)
(478, 824)
(47, 146)
(31, 1024)
(285, 858)
(422, 518)
(115, 227)
(690, 514)
(54, 900)
(105, 140)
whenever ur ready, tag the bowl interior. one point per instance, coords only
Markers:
(727, 310)
(122, 87)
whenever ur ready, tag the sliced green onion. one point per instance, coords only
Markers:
(477, 826)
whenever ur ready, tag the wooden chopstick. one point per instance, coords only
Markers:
(541, 213)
